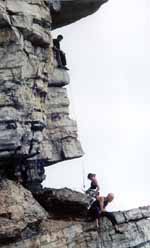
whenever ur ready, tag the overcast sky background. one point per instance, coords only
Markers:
(109, 59)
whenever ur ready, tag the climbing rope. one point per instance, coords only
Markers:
(83, 175)
(83, 187)
(99, 240)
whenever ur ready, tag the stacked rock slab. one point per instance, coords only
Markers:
(25, 224)
(35, 127)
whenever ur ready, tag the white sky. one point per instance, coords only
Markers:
(109, 57)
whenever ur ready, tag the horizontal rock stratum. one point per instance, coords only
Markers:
(35, 127)
(26, 224)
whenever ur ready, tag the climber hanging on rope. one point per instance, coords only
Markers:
(93, 191)
(60, 55)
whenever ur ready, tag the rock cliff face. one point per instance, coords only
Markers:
(35, 128)
(24, 223)
(36, 131)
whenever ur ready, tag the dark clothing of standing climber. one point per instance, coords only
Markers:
(96, 212)
(109, 215)
(60, 55)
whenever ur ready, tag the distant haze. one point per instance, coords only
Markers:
(109, 59)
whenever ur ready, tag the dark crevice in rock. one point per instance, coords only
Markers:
(42, 23)
(31, 230)
(8, 240)
(63, 203)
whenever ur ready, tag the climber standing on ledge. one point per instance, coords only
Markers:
(60, 55)
(99, 203)
(96, 212)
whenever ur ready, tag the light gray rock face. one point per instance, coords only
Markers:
(20, 214)
(80, 234)
(65, 12)
(25, 224)
(64, 204)
(36, 131)
(34, 117)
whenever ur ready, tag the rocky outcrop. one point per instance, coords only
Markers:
(20, 214)
(24, 223)
(35, 127)
(66, 12)
(82, 234)
(63, 203)
(36, 131)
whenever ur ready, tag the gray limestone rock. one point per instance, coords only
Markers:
(63, 203)
(24, 223)
(36, 131)
(35, 127)
(19, 213)
(65, 12)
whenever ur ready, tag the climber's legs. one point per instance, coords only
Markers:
(112, 218)
(63, 58)
(104, 201)
(60, 58)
